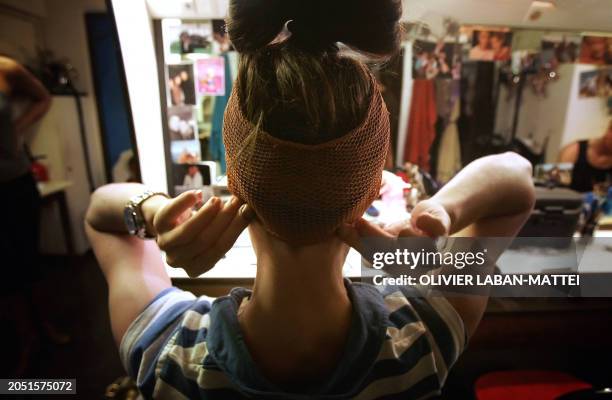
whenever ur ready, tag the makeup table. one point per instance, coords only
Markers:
(238, 268)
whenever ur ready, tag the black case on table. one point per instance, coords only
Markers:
(555, 215)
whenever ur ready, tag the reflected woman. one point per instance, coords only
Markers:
(592, 161)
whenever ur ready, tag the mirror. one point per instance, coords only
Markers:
(522, 76)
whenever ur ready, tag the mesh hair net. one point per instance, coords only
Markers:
(302, 193)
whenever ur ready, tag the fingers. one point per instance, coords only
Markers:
(199, 243)
(247, 212)
(430, 225)
(186, 232)
(203, 262)
(431, 219)
(366, 238)
(222, 221)
(213, 253)
(242, 219)
(168, 215)
(349, 235)
(368, 229)
(353, 235)
(400, 228)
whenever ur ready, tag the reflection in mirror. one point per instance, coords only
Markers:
(473, 78)
(488, 77)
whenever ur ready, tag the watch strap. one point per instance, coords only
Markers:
(135, 204)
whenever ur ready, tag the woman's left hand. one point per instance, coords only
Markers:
(196, 240)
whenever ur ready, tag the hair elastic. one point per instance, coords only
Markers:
(283, 35)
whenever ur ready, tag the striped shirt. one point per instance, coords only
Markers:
(401, 343)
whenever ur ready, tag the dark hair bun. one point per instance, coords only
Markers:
(370, 27)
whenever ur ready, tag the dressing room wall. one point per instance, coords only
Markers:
(58, 26)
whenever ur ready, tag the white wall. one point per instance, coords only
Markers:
(60, 140)
(529, 39)
(66, 35)
(587, 117)
(561, 115)
(188, 8)
(543, 117)
(593, 15)
(58, 25)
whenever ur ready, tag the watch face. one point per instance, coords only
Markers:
(130, 220)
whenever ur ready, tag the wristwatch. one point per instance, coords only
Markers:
(133, 216)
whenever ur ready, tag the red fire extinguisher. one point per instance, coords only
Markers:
(38, 169)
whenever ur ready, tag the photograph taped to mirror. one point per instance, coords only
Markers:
(436, 60)
(181, 84)
(191, 176)
(185, 151)
(185, 38)
(211, 76)
(181, 123)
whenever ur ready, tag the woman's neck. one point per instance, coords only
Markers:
(298, 317)
(304, 279)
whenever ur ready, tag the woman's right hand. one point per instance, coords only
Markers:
(196, 240)
(428, 219)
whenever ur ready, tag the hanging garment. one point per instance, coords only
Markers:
(421, 123)
(476, 124)
(447, 93)
(216, 147)
(449, 156)
(444, 98)
(440, 126)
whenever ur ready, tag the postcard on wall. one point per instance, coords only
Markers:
(181, 123)
(186, 37)
(181, 84)
(596, 83)
(489, 44)
(190, 176)
(211, 76)
(221, 42)
(596, 50)
(185, 151)
(436, 60)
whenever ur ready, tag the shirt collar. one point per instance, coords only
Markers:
(227, 347)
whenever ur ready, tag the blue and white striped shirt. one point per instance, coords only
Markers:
(401, 343)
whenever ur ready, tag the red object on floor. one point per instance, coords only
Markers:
(527, 385)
